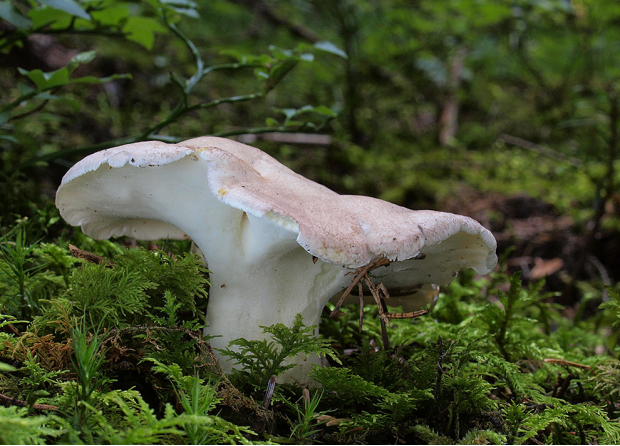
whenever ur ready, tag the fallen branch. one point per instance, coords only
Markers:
(564, 362)
(88, 256)
(8, 401)
(410, 315)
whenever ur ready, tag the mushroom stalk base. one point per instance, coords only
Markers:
(267, 294)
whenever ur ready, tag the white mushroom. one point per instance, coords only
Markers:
(261, 228)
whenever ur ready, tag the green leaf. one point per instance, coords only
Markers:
(329, 47)
(12, 15)
(8, 138)
(6, 367)
(69, 6)
(112, 16)
(24, 89)
(185, 7)
(81, 59)
(49, 17)
(235, 54)
(46, 96)
(278, 72)
(142, 30)
(272, 122)
(288, 112)
(45, 81)
(280, 53)
(324, 111)
(261, 74)
(260, 60)
(180, 3)
(98, 80)
(4, 117)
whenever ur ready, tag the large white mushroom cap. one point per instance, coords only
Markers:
(258, 223)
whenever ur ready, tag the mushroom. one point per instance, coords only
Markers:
(276, 243)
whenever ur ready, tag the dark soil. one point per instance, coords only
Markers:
(546, 243)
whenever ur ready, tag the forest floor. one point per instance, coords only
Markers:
(543, 242)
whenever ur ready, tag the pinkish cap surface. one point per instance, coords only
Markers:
(340, 229)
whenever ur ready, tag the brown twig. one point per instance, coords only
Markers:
(384, 323)
(556, 386)
(410, 315)
(359, 274)
(361, 291)
(565, 385)
(7, 400)
(271, 385)
(88, 256)
(564, 362)
(10, 326)
(331, 421)
(13, 329)
(378, 293)
(561, 385)
(306, 395)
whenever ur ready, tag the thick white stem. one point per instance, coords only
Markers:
(274, 291)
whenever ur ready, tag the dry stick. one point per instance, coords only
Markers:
(9, 325)
(556, 386)
(271, 385)
(564, 362)
(359, 274)
(376, 291)
(306, 395)
(88, 256)
(20, 403)
(384, 334)
(331, 421)
(361, 291)
(410, 315)
(13, 329)
(565, 385)
(376, 294)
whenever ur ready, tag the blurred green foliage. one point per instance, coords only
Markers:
(429, 97)
(503, 96)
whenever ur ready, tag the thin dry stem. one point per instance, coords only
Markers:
(410, 315)
(378, 293)
(564, 362)
(361, 293)
(88, 256)
(359, 274)
(7, 400)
